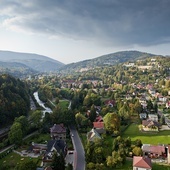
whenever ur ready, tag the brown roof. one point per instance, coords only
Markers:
(58, 128)
(142, 162)
(154, 149)
(150, 123)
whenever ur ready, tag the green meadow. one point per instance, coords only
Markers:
(162, 137)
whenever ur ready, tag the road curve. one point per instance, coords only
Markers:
(79, 163)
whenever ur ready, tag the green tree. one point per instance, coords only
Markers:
(69, 166)
(93, 114)
(36, 118)
(112, 122)
(138, 143)
(15, 134)
(81, 120)
(137, 151)
(24, 124)
(58, 162)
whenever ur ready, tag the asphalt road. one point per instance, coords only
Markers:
(79, 162)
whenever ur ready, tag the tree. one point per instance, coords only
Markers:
(81, 120)
(57, 100)
(24, 124)
(69, 166)
(93, 114)
(58, 162)
(138, 143)
(137, 151)
(87, 101)
(112, 122)
(90, 166)
(15, 134)
(36, 118)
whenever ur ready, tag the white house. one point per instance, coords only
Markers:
(142, 163)
(153, 117)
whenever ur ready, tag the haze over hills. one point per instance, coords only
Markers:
(36, 62)
(27, 63)
(108, 59)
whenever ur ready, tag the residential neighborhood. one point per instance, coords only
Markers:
(117, 121)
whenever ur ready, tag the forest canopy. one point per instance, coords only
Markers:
(14, 98)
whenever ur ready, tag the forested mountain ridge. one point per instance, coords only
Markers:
(105, 60)
(18, 70)
(14, 99)
(37, 62)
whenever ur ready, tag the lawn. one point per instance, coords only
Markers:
(12, 159)
(162, 137)
(64, 103)
(38, 138)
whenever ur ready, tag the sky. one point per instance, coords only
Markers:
(76, 30)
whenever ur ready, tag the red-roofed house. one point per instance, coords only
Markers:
(142, 163)
(98, 125)
(153, 151)
(58, 131)
(99, 119)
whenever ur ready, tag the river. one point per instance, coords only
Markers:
(42, 104)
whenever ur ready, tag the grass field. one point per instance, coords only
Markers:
(12, 159)
(162, 137)
(64, 103)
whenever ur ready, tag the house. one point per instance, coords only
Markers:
(168, 154)
(93, 135)
(150, 125)
(143, 102)
(99, 127)
(152, 92)
(99, 119)
(162, 98)
(37, 148)
(168, 104)
(58, 131)
(154, 151)
(153, 117)
(58, 146)
(110, 103)
(143, 115)
(142, 163)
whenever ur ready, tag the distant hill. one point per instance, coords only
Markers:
(109, 59)
(36, 62)
(15, 69)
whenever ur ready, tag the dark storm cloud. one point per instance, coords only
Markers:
(114, 22)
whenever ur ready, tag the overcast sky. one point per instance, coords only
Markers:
(75, 30)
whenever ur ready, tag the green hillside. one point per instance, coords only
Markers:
(14, 99)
